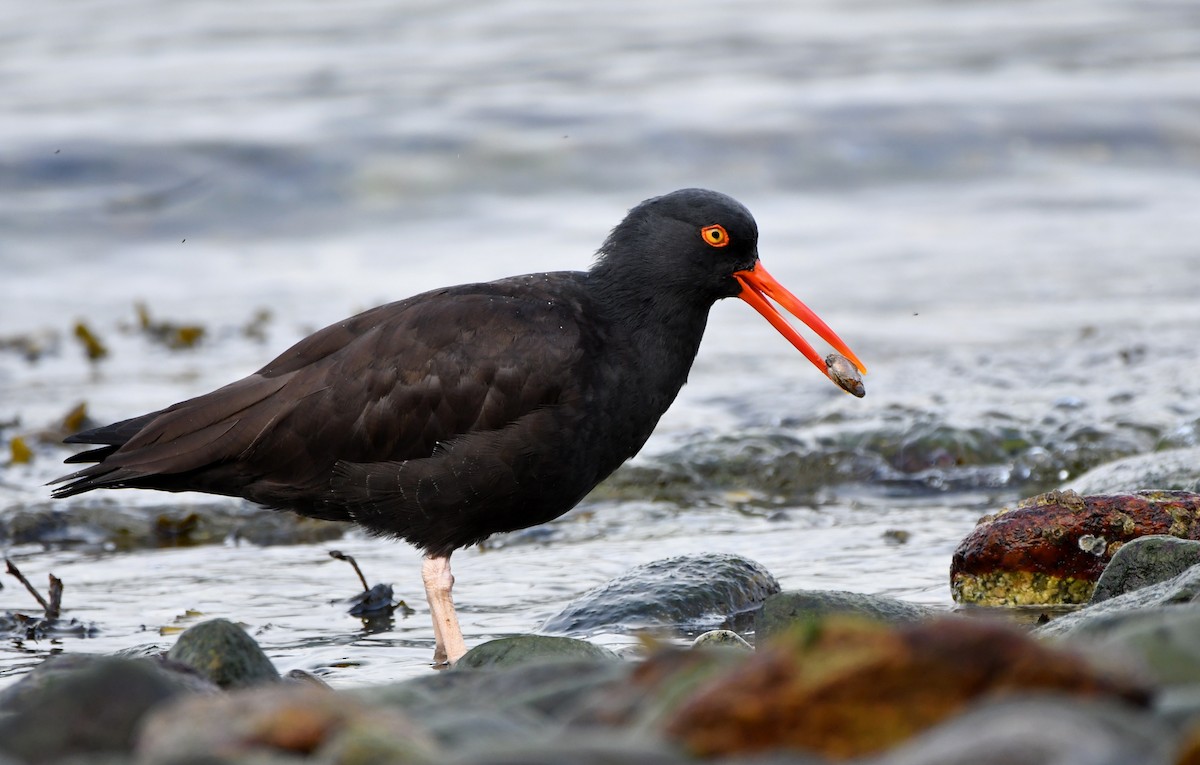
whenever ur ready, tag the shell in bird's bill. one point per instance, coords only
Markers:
(843, 372)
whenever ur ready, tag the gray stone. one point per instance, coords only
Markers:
(688, 591)
(581, 749)
(525, 649)
(476, 729)
(1178, 706)
(1103, 617)
(723, 639)
(1145, 561)
(223, 652)
(1163, 643)
(88, 705)
(1174, 469)
(781, 611)
(1040, 731)
(282, 720)
(549, 690)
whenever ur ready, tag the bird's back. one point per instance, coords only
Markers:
(441, 419)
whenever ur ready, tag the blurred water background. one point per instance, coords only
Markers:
(994, 202)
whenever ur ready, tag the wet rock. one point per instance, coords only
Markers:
(524, 649)
(1145, 561)
(459, 709)
(1156, 628)
(578, 749)
(785, 610)
(305, 677)
(770, 467)
(103, 521)
(653, 688)
(1052, 548)
(224, 653)
(848, 687)
(84, 705)
(1102, 617)
(1173, 469)
(1164, 643)
(293, 720)
(480, 709)
(722, 639)
(477, 729)
(1039, 731)
(690, 591)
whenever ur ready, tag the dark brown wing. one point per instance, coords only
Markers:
(441, 384)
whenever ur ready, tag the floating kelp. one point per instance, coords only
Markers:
(32, 345)
(256, 327)
(374, 605)
(92, 345)
(171, 334)
(19, 452)
(21, 446)
(17, 625)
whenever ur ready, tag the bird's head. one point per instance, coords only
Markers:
(704, 245)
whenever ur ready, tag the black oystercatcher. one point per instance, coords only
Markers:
(470, 410)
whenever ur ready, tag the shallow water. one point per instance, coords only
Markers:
(994, 207)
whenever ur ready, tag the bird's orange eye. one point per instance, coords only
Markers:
(715, 235)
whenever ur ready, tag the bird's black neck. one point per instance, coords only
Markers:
(660, 329)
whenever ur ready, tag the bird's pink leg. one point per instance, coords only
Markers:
(448, 640)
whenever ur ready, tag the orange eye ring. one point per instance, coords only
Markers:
(715, 235)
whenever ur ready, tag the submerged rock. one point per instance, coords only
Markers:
(785, 610)
(523, 649)
(224, 653)
(769, 467)
(798, 461)
(1051, 549)
(848, 687)
(690, 591)
(82, 705)
(1145, 561)
(107, 522)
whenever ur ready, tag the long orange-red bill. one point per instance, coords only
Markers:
(758, 286)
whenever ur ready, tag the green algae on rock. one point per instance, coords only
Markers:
(523, 649)
(1051, 549)
(221, 651)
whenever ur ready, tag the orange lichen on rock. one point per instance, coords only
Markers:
(1051, 548)
(846, 687)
